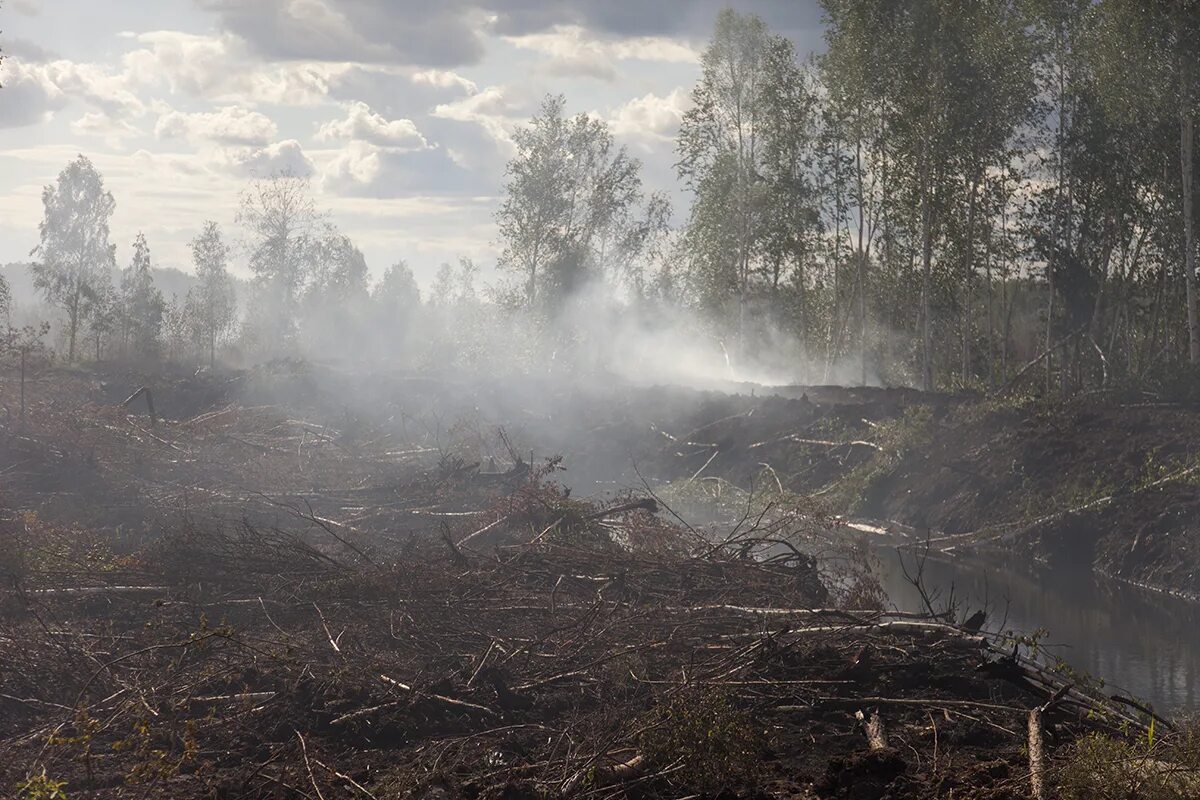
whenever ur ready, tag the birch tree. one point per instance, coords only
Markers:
(74, 248)
(1146, 59)
(282, 227)
(568, 192)
(739, 148)
(142, 302)
(212, 303)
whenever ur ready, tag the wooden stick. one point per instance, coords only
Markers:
(1037, 758)
(440, 698)
(308, 766)
(332, 642)
(1037, 762)
(346, 778)
(932, 702)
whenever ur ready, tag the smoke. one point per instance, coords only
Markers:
(594, 334)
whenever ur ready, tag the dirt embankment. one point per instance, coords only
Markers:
(1093, 483)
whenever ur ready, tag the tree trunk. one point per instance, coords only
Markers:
(862, 264)
(968, 270)
(73, 322)
(987, 266)
(1189, 241)
(926, 281)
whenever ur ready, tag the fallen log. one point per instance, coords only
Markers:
(84, 591)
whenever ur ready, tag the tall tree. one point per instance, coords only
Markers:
(335, 294)
(104, 312)
(5, 302)
(397, 292)
(74, 246)
(142, 302)
(338, 271)
(212, 303)
(954, 83)
(1146, 60)
(568, 191)
(282, 227)
(741, 153)
(25, 348)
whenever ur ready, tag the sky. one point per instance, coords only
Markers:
(400, 111)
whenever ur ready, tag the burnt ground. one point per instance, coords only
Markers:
(309, 581)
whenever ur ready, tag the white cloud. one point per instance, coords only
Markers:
(492, 108)
(220, 69)
(260, 162)
(574, 50)
(414, 32)
(92, 84)
(34, 90)
(179, 164)
(28, 51)
(444, 79)
(358, 165)
(231, 125)
(112, 129)
(30, 96)
(651, 118)
(363, 124)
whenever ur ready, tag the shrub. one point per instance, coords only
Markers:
(713, 741)
(1098, 767)
(41, 787)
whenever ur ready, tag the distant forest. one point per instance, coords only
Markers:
(978, 195)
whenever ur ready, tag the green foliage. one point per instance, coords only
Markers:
(41, 787)
(5, 301)
(700, 730)
(142, 303)
(894, 439)
(743, 150)
(212, 305)
(74, 250)
(1149, 767)
(573, 208)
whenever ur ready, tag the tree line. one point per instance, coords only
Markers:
(953, 195)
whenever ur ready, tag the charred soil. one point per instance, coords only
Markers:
(303, 583)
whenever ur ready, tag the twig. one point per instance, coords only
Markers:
(346, 778)
(332, 642)
(308, 766)
(440, 698)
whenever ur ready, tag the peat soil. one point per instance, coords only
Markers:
(323, 582)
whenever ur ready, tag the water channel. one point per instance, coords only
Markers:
(1141, 642)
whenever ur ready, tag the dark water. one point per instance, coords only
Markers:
(1144, 643)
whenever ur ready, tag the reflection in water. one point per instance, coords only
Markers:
(1140, 642)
